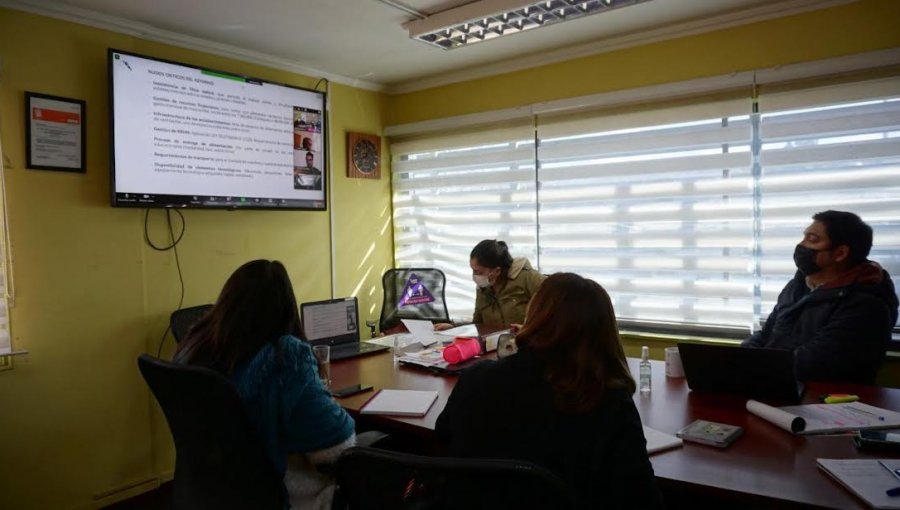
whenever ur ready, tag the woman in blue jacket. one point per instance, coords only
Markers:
(252, 335)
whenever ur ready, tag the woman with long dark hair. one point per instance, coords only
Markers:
(563, 401)
(252, 336)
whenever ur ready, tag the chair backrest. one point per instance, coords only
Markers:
(371, 478)
(182, 320)
(413, 293)
(219, 459)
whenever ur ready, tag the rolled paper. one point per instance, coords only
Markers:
(783, 419)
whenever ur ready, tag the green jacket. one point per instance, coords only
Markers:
(508, 306)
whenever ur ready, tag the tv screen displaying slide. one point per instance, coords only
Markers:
(185, 136)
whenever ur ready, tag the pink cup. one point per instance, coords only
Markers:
(462, 349)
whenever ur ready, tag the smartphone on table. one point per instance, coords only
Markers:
(350, 390)
(878, 440)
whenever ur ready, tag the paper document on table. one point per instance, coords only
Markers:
(468, 330)
(402, 339)
(425, 358)
(867, 478)
(400, 402)
(422, 331)
(658, 441)
(822, 418)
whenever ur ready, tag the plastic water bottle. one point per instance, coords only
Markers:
(645, 370)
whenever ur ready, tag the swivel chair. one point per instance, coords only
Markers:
(413, 293)
(372, 478)
(220, 462)
(182, 320)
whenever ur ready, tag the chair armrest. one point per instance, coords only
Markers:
(371, 438)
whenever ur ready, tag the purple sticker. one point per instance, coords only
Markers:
(415, 293)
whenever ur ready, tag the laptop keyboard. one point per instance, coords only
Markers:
(350, 350)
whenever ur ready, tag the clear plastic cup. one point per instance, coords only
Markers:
(323, 358)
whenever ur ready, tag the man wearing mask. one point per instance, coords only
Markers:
(838, 312)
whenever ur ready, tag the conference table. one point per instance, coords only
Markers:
(767, 467)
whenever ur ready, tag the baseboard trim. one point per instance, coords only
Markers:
(123, 492)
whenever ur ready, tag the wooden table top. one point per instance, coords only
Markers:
(766, 464)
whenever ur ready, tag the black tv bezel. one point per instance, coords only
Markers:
(164, 201)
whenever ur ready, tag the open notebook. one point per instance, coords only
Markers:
(825, 418)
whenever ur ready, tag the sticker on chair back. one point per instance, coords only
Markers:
(414, 292)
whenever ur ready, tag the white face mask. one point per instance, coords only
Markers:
(481, 280)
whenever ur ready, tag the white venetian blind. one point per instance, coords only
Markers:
(834, 147)
(5, 344)
(453, 190)
(656, 206)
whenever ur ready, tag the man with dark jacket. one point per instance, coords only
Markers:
(838, 312)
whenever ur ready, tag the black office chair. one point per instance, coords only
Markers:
(220, 462)
(375, 479)
(182, 320)
(413, 293)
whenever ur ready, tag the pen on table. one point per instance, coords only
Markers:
(893, 491)
(895, 472)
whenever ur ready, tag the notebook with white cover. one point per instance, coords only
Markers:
(400, 402)
(867, 478)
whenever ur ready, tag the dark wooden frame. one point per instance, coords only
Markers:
(82, 105)
(352, 170)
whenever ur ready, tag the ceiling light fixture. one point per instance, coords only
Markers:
(447, 29)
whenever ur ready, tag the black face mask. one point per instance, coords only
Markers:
(805, 259)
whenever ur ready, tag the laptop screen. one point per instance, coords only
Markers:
(332, 322)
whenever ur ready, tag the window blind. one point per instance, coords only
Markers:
(5, 343)
(451, 191)
(833, 147)
(657, 207)
(688, 215)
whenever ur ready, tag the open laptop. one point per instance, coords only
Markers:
(758, 373)
(335, 322)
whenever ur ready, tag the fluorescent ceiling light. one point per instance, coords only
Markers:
(483, 20)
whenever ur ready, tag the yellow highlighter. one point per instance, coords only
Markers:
(840, 398)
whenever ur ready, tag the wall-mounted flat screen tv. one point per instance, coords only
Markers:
(185, 136)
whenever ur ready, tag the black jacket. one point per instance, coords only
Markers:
(837, 333)
(505, 409)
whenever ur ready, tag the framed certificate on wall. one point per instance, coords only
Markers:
(54, 133)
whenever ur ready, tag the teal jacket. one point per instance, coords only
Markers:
(286, 401)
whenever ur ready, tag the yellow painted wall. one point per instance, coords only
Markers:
(857, 27)
(77, 420)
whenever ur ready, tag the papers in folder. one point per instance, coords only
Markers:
(400, 402)
(867, 478)
(823, 418)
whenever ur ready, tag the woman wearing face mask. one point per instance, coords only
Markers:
(505, 284)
